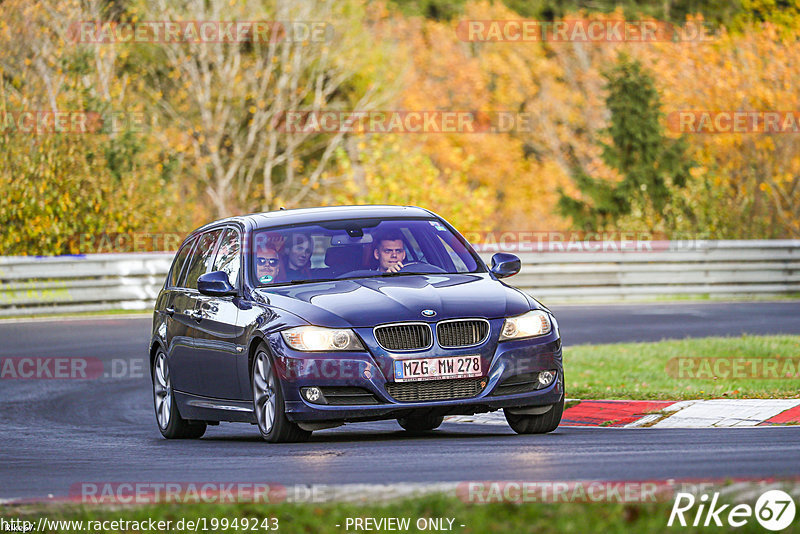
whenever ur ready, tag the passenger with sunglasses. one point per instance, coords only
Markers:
(268, 265)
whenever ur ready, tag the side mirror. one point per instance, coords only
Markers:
(215, 284)
(505, 265)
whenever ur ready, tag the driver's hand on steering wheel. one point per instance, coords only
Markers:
(396, 267)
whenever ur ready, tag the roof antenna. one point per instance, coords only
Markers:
(282, 208)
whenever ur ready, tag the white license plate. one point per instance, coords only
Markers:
(437, 368)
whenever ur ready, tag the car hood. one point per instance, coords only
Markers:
(366, 302)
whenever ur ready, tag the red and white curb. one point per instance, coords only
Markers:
(713, 413)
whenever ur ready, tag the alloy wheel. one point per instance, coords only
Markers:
(264, 393)
(162, 389)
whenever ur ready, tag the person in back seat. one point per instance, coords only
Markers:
(297, 257)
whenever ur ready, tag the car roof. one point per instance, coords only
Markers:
(311, 215)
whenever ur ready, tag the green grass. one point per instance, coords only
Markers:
(478, 518)
(639, 370)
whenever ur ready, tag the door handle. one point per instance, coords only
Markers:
(197, 315)
(169, 311)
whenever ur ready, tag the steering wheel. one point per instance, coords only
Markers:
(426, 267)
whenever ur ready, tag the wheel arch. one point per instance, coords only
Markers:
(257, 340)
(154, 348)
(252, 348)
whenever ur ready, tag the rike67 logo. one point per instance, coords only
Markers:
(774, 510)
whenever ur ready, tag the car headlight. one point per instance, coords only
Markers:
(532, 324)
(317, 338)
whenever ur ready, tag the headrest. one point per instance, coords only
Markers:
(343, 255)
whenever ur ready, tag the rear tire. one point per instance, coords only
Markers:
(420, 423)
(268, 403)
(168, 418)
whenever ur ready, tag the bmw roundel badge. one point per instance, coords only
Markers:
(428, 313)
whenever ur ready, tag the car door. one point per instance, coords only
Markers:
(177, 339)
(217, 346)
(186, 304)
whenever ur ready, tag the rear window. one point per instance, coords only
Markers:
(201, 259)
(228, 256)
(179, 262)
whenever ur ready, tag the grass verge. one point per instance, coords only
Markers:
(705, 368)
(577, 517)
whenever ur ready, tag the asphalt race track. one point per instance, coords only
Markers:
(57, 434)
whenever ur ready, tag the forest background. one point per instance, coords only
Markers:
(191, 131)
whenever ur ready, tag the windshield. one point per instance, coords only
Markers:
(358, 248)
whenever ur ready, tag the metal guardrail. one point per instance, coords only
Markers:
(91, 282)
(97, 282)
(716, 269)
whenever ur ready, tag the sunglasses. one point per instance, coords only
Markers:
(273, 262)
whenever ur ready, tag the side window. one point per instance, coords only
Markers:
(228, 256)
(178, 262)
(202, 258)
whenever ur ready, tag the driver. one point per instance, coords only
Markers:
(390, 251)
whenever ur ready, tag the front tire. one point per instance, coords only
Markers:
(420, 424)
(542, 423)
(168, 418)
(268, 403)
(536, 424)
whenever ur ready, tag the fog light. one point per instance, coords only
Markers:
(313, 394)
(546, 378)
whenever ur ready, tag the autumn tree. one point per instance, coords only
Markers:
(395, 171)
(649, 163)
(225, 103)
(59, 186)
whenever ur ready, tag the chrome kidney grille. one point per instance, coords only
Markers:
(462, 332)
(404, 336)
(452, 333)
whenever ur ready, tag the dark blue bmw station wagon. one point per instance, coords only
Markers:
(300, 320)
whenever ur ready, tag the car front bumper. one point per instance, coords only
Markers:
(369, 371)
